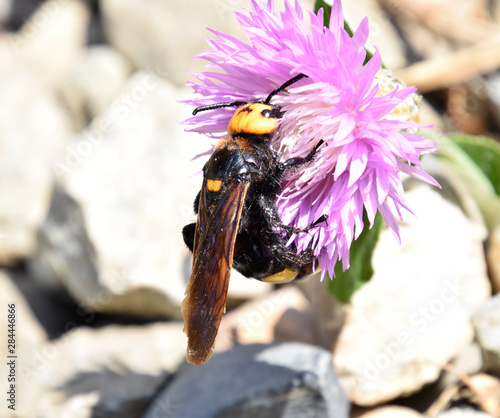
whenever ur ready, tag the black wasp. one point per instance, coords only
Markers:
(238, 224)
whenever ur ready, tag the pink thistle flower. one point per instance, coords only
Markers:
(366, 149)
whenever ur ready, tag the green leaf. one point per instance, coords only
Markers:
(327, 11)
(485, 152)
(345, 283)
(348, 28)
(475, 166)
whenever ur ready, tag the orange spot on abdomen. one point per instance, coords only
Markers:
(214, 186)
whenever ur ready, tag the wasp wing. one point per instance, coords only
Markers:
(206, 291)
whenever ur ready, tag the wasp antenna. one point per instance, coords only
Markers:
(217, 106)
(284, 86)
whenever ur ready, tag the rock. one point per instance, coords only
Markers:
(109, 372)
(112, 237)
(283, 315)
(391, 412)
(479, 390)
(468, 362)
(97, 78)
(464, 413)
(51, 41)
(278, 380)
(328, 314)
(242, 289)
(33, 130)
(28, 333)
(414, 314)
(5, 12)
(14, 13)
(486, 322)
(56, 313)
(166, 35)
(34, 127)
(31, 333)
(495, 10)
(489, 88)
(493, 257)
(485, 393)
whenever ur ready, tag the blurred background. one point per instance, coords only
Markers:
(97, 179)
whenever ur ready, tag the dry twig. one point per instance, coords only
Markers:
(454, 68)
(443, 19)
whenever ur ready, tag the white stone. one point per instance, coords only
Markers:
(97, 77)
(112, 371)
(414, 314)
(113, 234)
(464, 413)
(391, 412)
(5, 10)
(51, 40)
(33, 130)
(28, 333)
(33, 127)
(486, 322)
(166, 35)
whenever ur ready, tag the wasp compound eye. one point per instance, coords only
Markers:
(274, 113)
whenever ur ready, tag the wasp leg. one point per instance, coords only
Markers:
(290, 255)
(272, 217)
(197, 202)
(322, 218)
(188, 234)
(189, 230)
(298, 161)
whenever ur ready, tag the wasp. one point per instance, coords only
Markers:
(238, 225)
